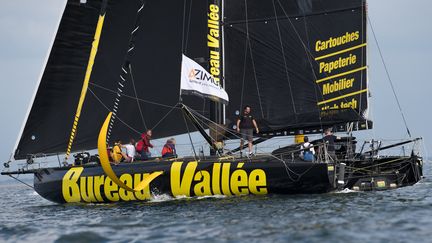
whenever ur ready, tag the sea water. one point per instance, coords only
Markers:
(401, 215)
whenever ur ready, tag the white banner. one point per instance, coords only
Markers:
(196, 80)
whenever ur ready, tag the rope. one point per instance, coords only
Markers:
(100, 101)
(252, 59)
(188, 27)
(190, 138)
(244, 75)
(136, 96)
(183, 26)
(16, 178)
(287, 169)
(131, 97)
(389, 78)
(163, 118)
(285, 62)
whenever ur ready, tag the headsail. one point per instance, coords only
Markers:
(196, 80)
(154, 81)
(301, 64)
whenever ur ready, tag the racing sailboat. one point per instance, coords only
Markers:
(114, 69)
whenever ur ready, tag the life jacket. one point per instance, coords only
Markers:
(307, 147)
(116, 155)
(139, 146)
(168, 150)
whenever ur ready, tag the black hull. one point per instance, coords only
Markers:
(264, 175)
(384, 173)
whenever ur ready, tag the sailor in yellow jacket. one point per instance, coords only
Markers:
(117, 154)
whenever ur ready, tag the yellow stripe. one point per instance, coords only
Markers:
(92, 57)
(341, 74)
(340, 52)
(341, 97)
(106, 166)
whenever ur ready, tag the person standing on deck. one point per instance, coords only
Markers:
(245, 125)
(144, 144)
(330, 139)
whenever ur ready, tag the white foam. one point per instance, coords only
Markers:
(161, 198)
(212, 196)
(346, 190)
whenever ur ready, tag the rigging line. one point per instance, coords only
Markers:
(163, 118)
(131, 97)
(183, 26)
(190, 138)
(16, 178)
(236, 136)
(188, 27)
(389, 78)
(136, 96)
(309, 57)
(244, 76)
(252, 59)
(284, 58)
(218, 125)
(363, 57)
(202, 118)
(106, 107)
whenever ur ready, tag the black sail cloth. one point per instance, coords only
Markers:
(156, 64)
(299, 64)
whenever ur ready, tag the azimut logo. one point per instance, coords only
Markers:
(200, 75)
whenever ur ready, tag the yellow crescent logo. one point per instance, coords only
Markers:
(103, 155)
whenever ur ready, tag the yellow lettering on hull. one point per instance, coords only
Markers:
(185, 180)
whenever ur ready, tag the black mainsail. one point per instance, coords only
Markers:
(301, 64)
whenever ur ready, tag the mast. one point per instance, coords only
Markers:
(215, 46)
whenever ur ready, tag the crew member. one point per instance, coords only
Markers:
(169, 150)
(245, 125)
(308, 151)
(144, 144)
(130, 150)
(117, 153)
(330, 139)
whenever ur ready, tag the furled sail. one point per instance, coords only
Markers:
(300, 64)
(150, 92)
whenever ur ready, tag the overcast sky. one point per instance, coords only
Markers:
(403, 28)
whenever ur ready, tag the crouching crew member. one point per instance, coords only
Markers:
(130, 150)
(169, 150)
(116, 153)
